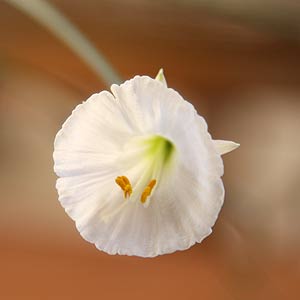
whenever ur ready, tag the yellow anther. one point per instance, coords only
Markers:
(127, 190)
(125, 185)
(120, 182)
(125, 179)
(147, 191)
(152, 183)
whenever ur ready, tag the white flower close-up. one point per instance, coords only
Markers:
(138, 171)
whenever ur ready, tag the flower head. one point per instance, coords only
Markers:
(138, 171)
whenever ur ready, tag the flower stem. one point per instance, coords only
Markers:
(51, 18)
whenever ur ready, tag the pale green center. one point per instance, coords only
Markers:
(154, 161)
(160, 149)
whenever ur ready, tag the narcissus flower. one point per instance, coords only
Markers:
(138, 171)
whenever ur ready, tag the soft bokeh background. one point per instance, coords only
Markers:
(238, 62)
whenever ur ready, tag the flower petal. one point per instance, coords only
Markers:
(161, 77)
(153, 108)
(224, 147)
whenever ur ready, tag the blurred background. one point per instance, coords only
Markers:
(238, 63)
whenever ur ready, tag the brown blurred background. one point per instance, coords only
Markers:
(238, 62)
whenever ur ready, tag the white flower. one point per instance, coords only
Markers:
(139, 173)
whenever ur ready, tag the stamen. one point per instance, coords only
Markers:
(147, 191)
(125, 185)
